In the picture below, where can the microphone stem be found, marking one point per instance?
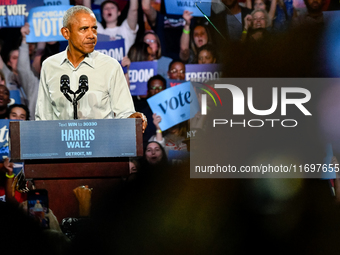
(75, 102)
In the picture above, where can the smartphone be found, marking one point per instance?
(37, 206)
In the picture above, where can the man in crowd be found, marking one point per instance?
(314, 13)
(108, 95)
(176, 70)
(4, 101)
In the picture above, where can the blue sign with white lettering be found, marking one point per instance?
(46, 22)
(14, 95)
(203, 72)
(78, 139)
(175, 105)
(56, 2)
(179, 6)
(4, 128)
(13, 13)
(139, 74)
(114, 49)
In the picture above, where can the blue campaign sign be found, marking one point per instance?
(114, 49)
(13, 13)
(203, 72)
(14, 95)
(139, 74)
(56, 2)
(46, 22)
(179, 6)
(175, 105)
(4, 129)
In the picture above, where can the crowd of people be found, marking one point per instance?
(174, 40)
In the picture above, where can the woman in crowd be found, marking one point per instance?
(280, 12)
(109, 25)
(174, 137)
(256, 25)
(206, 54)
(263, 5)
(197, 38)
(155, 155)
(153, 40)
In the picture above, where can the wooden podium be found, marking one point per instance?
(60, 174)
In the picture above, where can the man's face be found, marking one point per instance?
(314, 5)
(230, 3)
(177, 71)
(155, 87)
(17, 113)
(4, 96)
(81, 33)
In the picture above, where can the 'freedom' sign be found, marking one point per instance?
(46, 22)
(139, 74)
(114, 49)
(175, 105)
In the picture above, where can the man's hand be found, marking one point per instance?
(141, 116)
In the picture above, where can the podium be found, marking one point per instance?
(61, 155)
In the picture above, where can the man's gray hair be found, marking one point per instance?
(72, 11)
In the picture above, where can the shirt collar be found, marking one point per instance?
(89, 59)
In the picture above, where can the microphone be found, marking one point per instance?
(83, 86)
(65, 86)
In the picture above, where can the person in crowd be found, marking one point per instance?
(140, 51)
(206, 54)
(108, 95)
(176, 70)
(155, 155)
(229, 22)
(263, 5)
(13, 81)
(153, 40)
(174, 137)
(256, 25)
(162, 61)
(109, 24)
(4, 101)
(30, 82)
(168, 27)
(18, 112)
(2, 78)
(313, 16)
(6, 180)
(199, 36)
(284, 14)
(155, 84)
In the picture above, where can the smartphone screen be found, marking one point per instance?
(37, 206)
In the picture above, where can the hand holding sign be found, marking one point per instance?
(156, 120)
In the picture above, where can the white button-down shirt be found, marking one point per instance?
(108, 95)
